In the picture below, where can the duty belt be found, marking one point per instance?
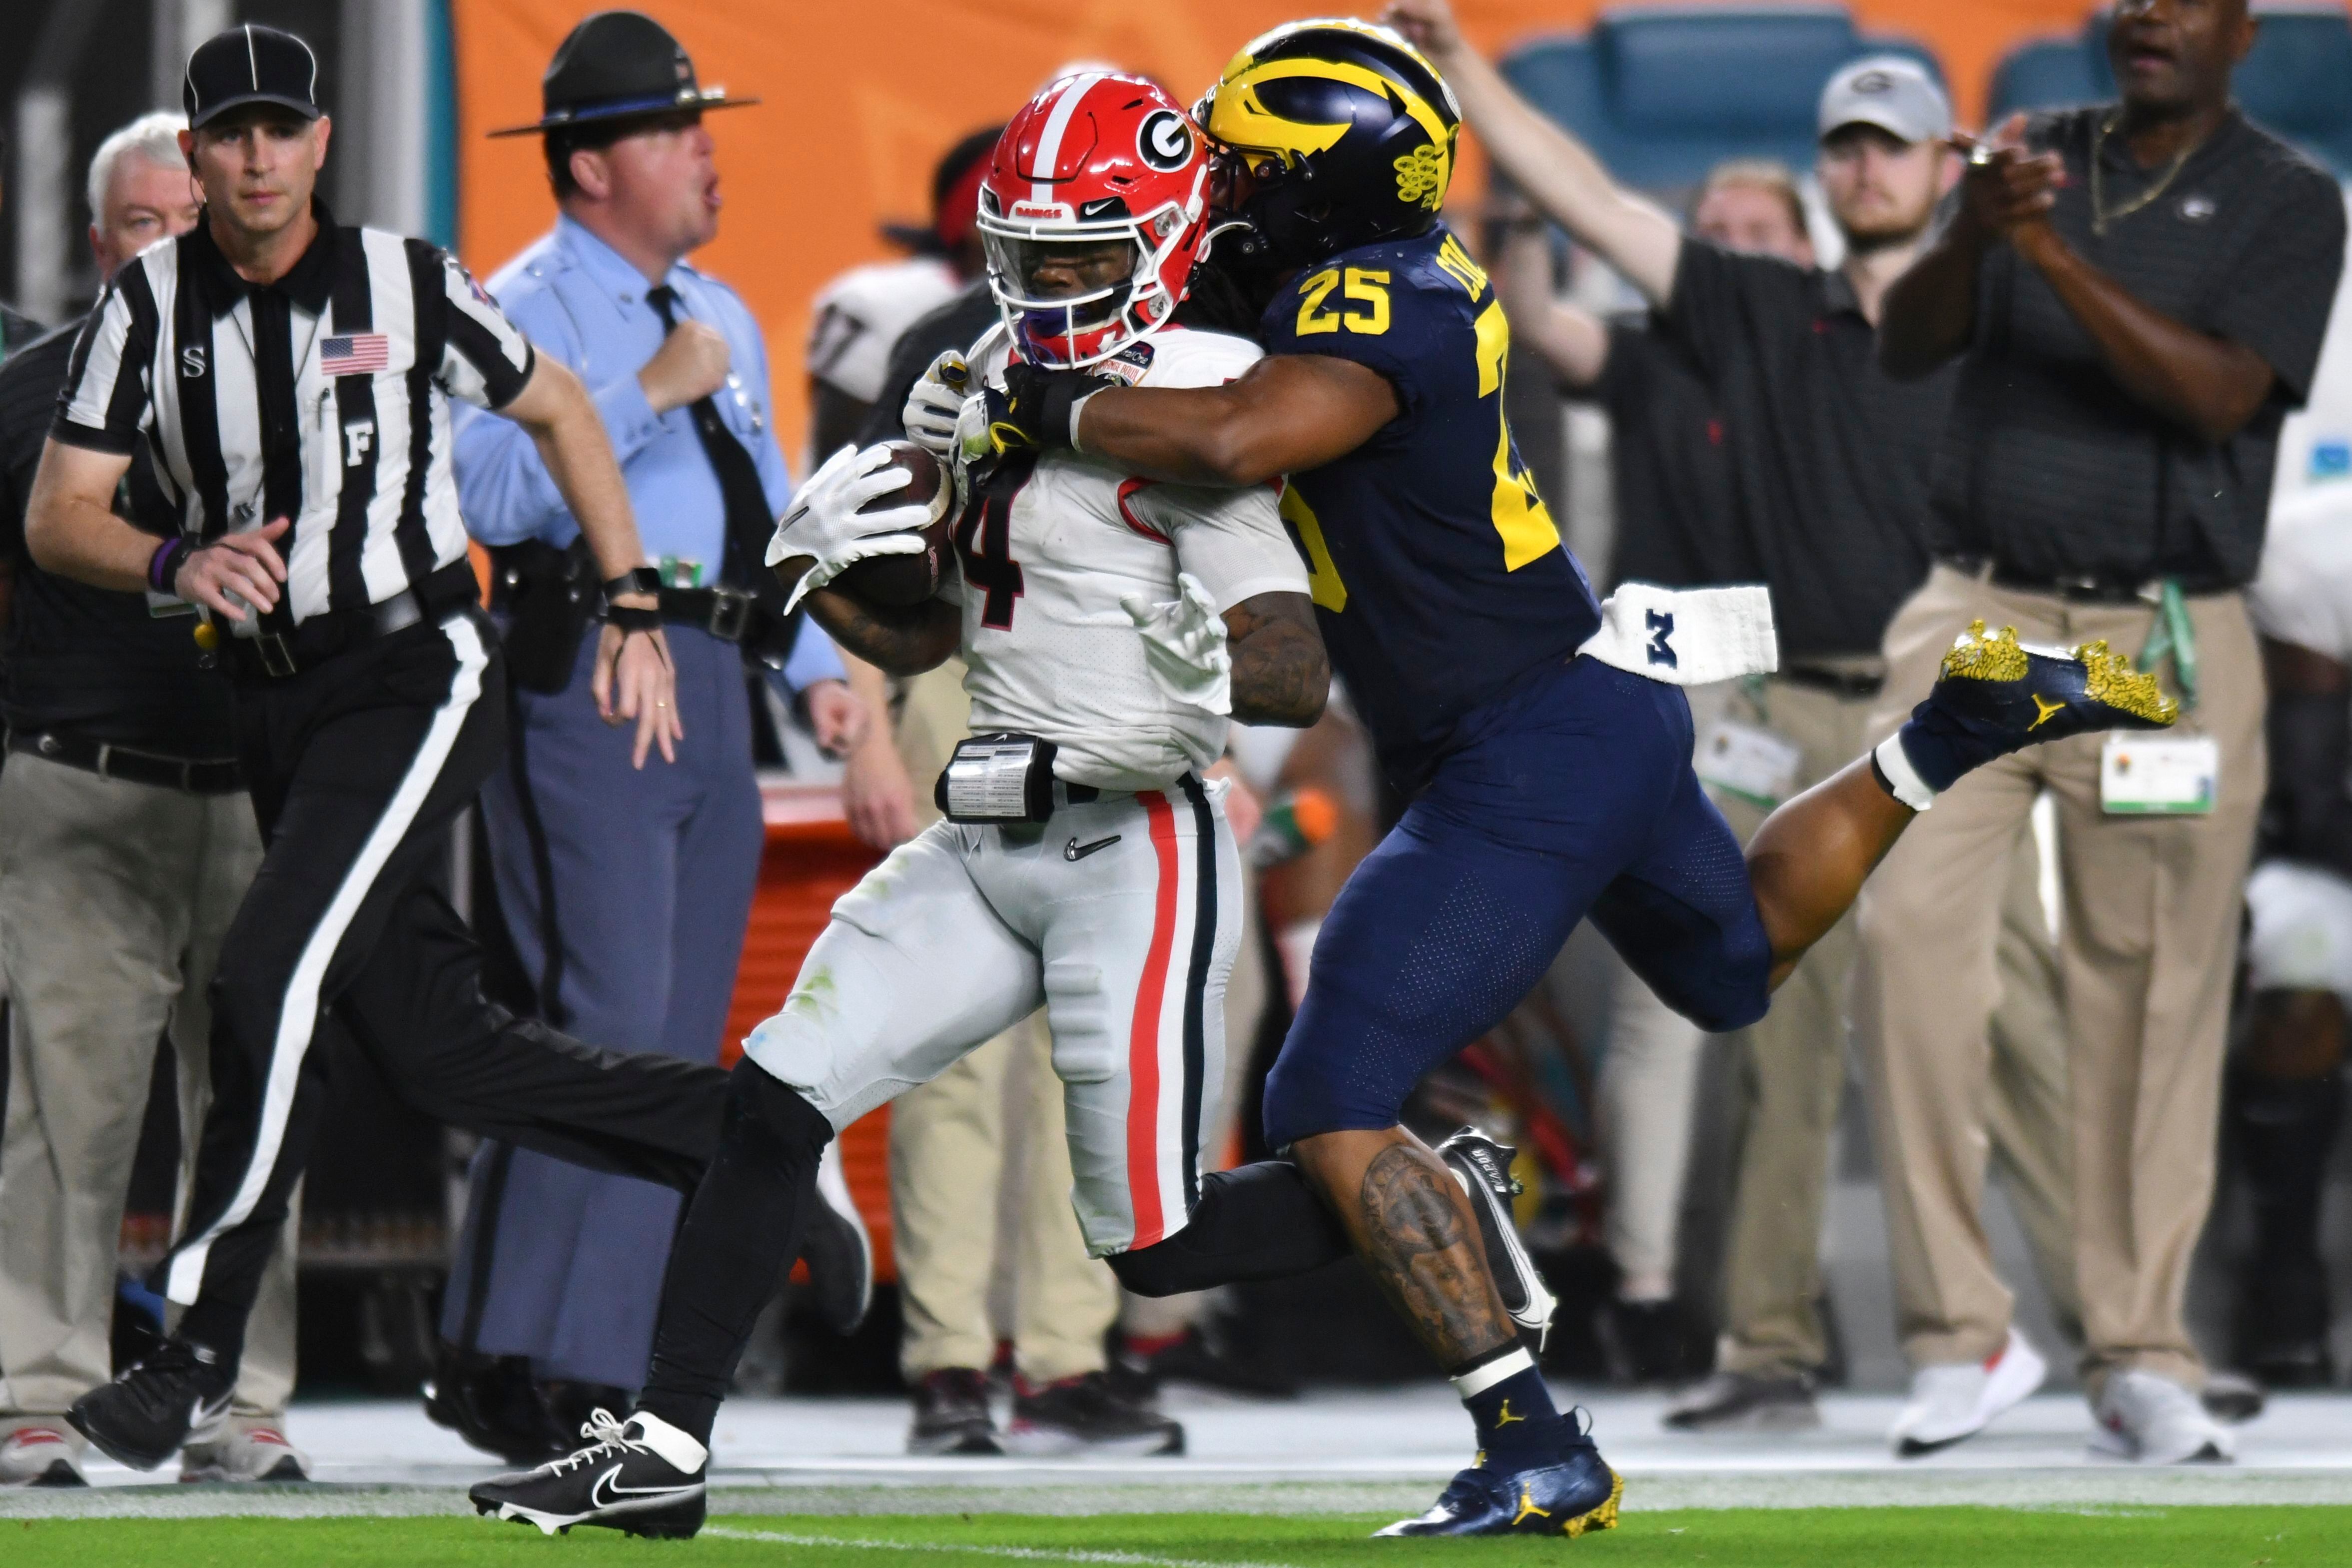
(724, 613)
(133, 766)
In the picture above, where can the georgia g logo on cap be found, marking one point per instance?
(1164, 140)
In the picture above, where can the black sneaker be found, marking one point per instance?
(179, 1394)
(951, 1414)
(1742, 1401)
(840, 1254)
(619, 1481)
(1484, 1168)
(1087, 1413)
(493, 1403)
(2018, 696)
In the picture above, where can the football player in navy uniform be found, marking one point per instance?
(1547, 752)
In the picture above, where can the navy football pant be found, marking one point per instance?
(1573, 797)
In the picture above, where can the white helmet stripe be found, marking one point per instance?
(1049, 145)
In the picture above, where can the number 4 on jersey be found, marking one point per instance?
(983, 542)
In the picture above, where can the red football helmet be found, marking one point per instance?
(1092, 214)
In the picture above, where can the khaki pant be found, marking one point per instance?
(114, 897)
(2149, 935)
(950, 1155)
(1791, 1077)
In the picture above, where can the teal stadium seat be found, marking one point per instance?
(2297, 82)
(1662, 94)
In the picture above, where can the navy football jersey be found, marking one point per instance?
(1437, 572)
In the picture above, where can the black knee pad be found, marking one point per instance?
(761, 1105)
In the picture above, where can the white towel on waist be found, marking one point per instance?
(1686, 637)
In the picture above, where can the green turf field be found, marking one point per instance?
(2254, 1537)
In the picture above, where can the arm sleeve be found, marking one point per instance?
(1233, 540)
(2284, 283)
(1717, 295)
(106, 400)
(485, 358)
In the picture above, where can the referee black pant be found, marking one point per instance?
(358, 767)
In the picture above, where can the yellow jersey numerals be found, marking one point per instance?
(1519, 514)
(1457, 264)
(1358, 285)
(1323, 585)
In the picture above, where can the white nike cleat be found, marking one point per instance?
(2147, 1416)
(1484, 1168)
(1958, 1400)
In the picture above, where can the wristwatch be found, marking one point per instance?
(635, 580)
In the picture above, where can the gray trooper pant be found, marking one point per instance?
(113, 901)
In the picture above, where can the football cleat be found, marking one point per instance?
(840, 1254)
(2021, 695)
(1567, 1494)
(1484, 1168)
(178, 1394)
(640, 1478)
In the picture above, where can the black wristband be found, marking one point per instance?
(635, 580)
(633, 620)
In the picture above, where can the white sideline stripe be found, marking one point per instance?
(1024, 1553)
(297, 1018)
(1049, 145)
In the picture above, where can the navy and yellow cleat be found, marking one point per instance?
(1573, 1493)
(2015, 695)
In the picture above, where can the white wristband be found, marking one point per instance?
(1895, 763)
(1076, 409)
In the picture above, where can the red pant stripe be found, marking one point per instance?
(1143, 1039)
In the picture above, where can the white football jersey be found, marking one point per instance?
(858, 317)
(1047, 647)
(2304, 592)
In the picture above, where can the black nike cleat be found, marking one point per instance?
(840, 1254)
(620, 1481)
(1568, 1494)
(2013, 695)
(1484, 1168)
(179, 1394)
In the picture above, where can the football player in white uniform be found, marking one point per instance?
(1112, 630)
(2286, 1091)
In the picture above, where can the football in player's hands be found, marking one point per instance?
(897, 581)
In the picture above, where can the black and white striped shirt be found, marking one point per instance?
(323, 398)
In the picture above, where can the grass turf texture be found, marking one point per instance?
(2254, 1537)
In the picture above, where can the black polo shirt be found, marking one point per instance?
(2049, 467)
(1832, 456)
(86, 660)
(1670, 467)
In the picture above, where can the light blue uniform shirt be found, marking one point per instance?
(577, 300)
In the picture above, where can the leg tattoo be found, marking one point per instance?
(1427, 1257)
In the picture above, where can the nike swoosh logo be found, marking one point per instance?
(606, 1494)
(1074, 850)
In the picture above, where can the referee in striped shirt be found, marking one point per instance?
(289, 380)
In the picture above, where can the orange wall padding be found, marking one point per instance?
(861, 99)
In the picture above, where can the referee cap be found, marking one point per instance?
(251, 64)
(618, 65)
(1891, 91)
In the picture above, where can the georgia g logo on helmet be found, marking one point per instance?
(1164, 140)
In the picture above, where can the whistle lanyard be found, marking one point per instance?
(2173, 637)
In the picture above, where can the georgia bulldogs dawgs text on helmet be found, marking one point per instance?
(1093, 159)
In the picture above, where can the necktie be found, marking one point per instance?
(747, 522)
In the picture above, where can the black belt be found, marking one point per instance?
(1836, 682)
(321, 637)
(725, 613)
(2084, 589)
(111, 762)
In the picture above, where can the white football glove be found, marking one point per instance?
(824, 523)
(935, 402)
(1184, 645)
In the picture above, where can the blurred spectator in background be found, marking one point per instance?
(1828, 463)
(861, 314)
(625, 891)
(2285, 1093)
(2136, 294)
(126, 843)
(17, 329)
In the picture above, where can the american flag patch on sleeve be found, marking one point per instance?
(354, 353)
